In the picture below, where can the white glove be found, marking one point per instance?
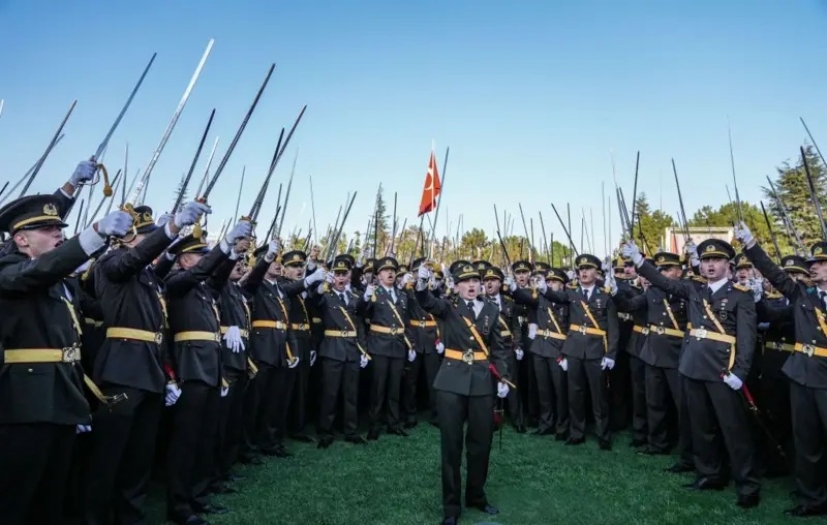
(163, 219)
(117, 223)
(84, 172)
(369, 290)
(757, 287)
(743, 235)
(411, 355)
(224, 391)
(509, 283)
(312, 357)
(607, 363)
(329, 277)
(564, 364)
(273, 248)
(733, 381)
(542, 286)
(294, 363)
(423, 273)
(520, 354)
(407, 279)
(440, 348)
(571, 274)
(363, 361)
(233, 339)
(173, 393)
(502, 390)
(692, 250)
(317, 276)
(80, 429)
(190, 213)
(629, 250)
(240, 230)
(610, 281)
(532, 330)
(83, 267)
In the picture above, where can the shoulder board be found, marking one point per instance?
(573, 286)
(773, 295)
(607, 290)
(740, 287)
(698, 279)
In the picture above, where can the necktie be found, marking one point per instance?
(586, 293)
(821, 295)
(343, 298)
(470, 305)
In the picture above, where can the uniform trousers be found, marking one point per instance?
(119, 464)
(35, 459)
(714, 405)
(191, 450)
(453, 411)
(552, 385)
(339, 377)
(583, 375)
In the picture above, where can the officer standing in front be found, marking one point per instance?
(464, 388)
(42, 404)
(714, 364)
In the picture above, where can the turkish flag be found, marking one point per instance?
(432, 188)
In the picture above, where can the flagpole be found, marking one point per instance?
(439, 203)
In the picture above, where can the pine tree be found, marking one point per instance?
(794, 192)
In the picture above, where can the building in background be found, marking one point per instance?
(674, 239)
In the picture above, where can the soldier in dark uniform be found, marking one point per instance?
(195, 326)
(342, 352)
(272, 347)
(386, 307)
(425, 338)
(665, 329)
(465, 391)
(627, 399)
(293, 266)
(775, 312)
(41, 380)
(714, 364)
(129, 364)
(527, 322)
(806, 368)
(590, 348)
(235, 335)
(546, 351)
(509, 325)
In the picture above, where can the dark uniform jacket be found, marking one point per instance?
(130, 297)
(423, 327)
(779, 337)
(391, 318)
(457, 375)
(552, 322)
(344, 334)
(662, 320)
(585, 340)
(706, 356)
(37, 313)
(804, 366)
(193, 308)
(300, 318)
(272, 337)
(233, 310)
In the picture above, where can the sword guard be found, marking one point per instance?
(114, 400)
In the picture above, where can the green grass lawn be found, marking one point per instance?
(533, 480)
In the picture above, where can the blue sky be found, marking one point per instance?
(530, 97)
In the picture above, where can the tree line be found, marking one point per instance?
(766, 219)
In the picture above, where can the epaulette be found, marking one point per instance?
(773, 295)
(698, 279)
(740, 287)
(572, 285)
(607, 290)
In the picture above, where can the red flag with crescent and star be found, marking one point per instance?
(433, 187)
